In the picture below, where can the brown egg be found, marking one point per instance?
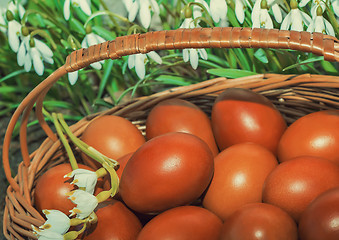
(177, 115)
(241, 115)
(239, 175)
(293, 184)
(262, 221)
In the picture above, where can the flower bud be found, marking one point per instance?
(294, 4)
(319, 11)
(9, 15)
(188, 12)
(24, 31)
(263, 4)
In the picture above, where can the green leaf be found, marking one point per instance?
(108, 35)
(77, 26)
(108, 69)
(13, 74)
(329, 67)
(261, 55)
(230, 73)
(307, 61)
(172, 80)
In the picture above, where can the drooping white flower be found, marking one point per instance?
(138, 61)
(83, 178)
(192, 54)
(260, 16)
(55, 227)
(197, 10)
(89, 40)
(85, 202)
(143, 9)
(274, 5)
(240, 10)
(16, 8)
(218, 9)
(295, 19)
(34, 52)
(320, 24)
(85, 6)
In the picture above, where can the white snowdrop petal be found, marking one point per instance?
(92, 39)
(85, 202)
(21, 54)
(239, 11)
(306, 19)
(266, 19)
(131, 61)
(329, 28)
(155, 6)
(277, 13)
(85, 7)
(84, 178)
(140, 65)
(155, 57)
(37, 61)
(14, 30)
(194, 58)
(303, 3)
(84, 43)
(43, 48)
(49, 235)
(58, 221)
(21, 10)
(133, 11)
(128, 4)
(99, 39)
(67, 9)
(28, 62)
(73, 77)
(214, 10)
(96, 65)
(286, 22)
(335, 6)
(185, 55)
(203, 54)
(48, 59)
(145, 15)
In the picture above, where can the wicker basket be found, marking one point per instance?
(293, 95)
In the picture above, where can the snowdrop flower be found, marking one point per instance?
(89, 40)
(260, 16)
(192, 54)
(34, 51)
(14, 32)
(138, 62)
(197, 10)
(295, 19)
(143, 7)
(315, 4)
(320, 24)
(269, 4)
(55, 227)
(240, 10)
(86, 203)
(85, 6)
(218, 9)
(16, 8)
(83, 179)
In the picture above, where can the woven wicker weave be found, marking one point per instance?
(294, 96)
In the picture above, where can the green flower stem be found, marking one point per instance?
(64, 141)
(333, 20)
(88, 150)
(74, 234)
(114, 179)
(45, 35)
(210, 20)
(101, 172)
(134, 29)
(105, 12)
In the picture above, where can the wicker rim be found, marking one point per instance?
(18, 192)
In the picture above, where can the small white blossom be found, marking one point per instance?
(16, 8)
(197, 10)
(28, 55)
(55, 227)
(295, 20)
(139, 60)
(89, 40)
(142, 8)
(240, 10)
(85, 6)
(218, 9)
(86, 203)
(191, 54)
(260, 17)
(83, 178)
(320, 24)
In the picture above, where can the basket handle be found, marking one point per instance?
(217, 37)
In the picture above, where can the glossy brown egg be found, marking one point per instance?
(259, 221)
(239, 175)
(177, 115)
(241, 115)
(293, 184)
(183, 223)
(320, 220)
(113, 136)
(115, 222)
(51, 189)
(167, 171)
(316, 134)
